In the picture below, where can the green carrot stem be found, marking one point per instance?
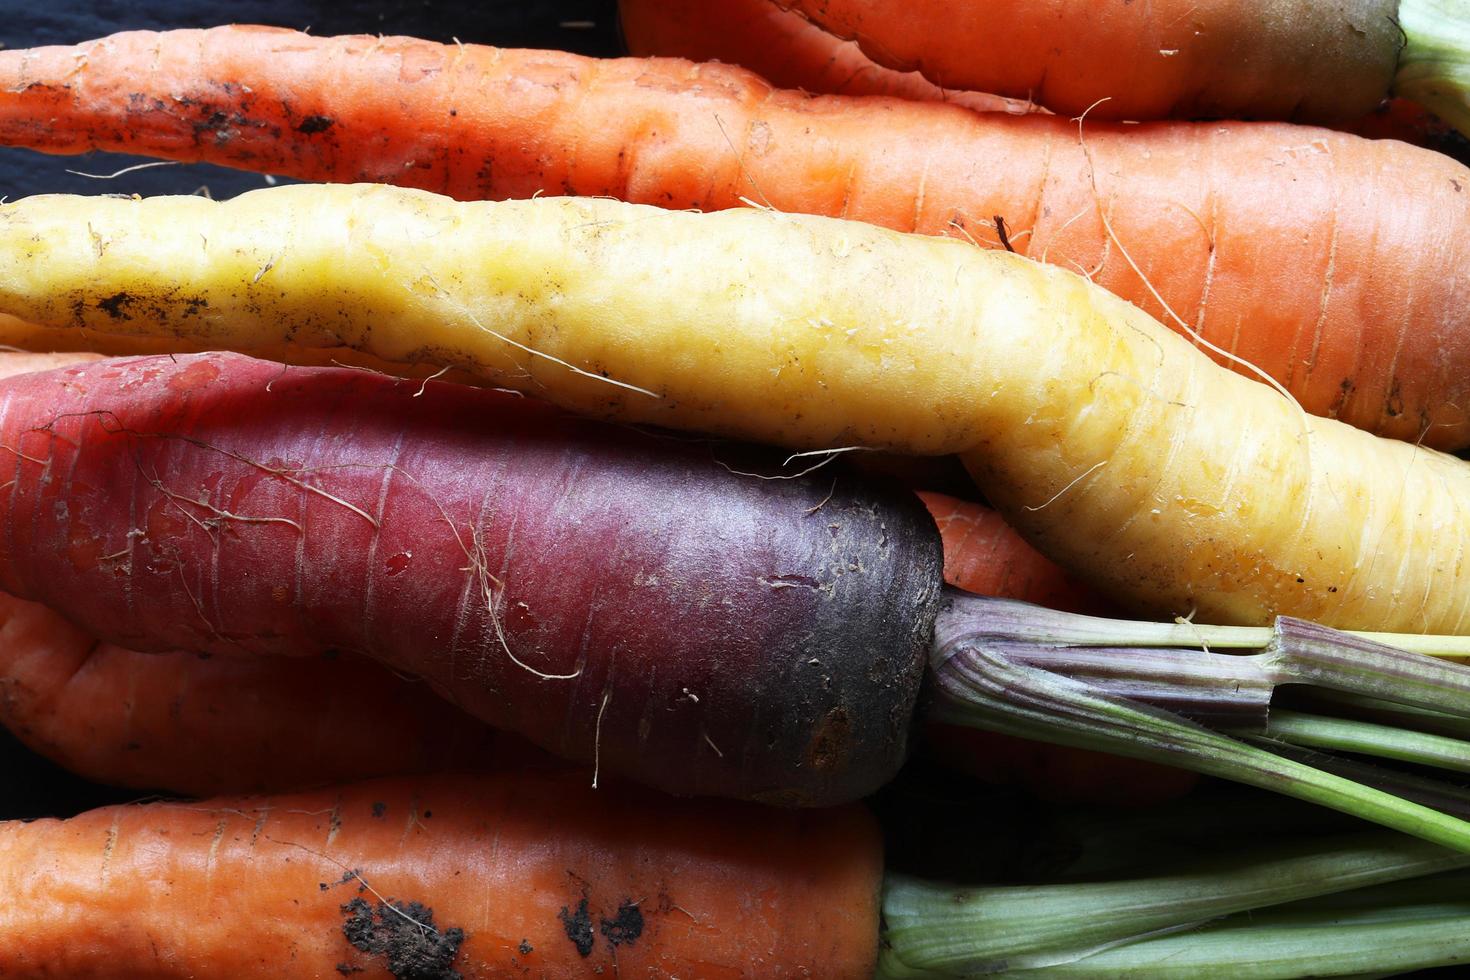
(1361, 706)
(1220, 690)
(980, 689)
(939, 930)
(1434, 65)
(1381, 931)
(1367, 738)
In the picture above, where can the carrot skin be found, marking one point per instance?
(1288, 59)
(523, 875)
(985, 555)
(783, 48)
(1346, 286)
(663, 613)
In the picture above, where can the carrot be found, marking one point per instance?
(782, 48)
(185, 724)
(734, 636)
(1112, 445)
(441, 877)
(619, 598)
(791, 52)
(456, 878)
(1346, 287)
(984, 555)
(1303, 60)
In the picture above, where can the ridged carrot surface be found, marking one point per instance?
(1332, 262)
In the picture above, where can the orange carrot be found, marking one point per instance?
(1332, 262)
(783, 48)
(1290, 59)
(790, 51)
(983, 554)
(187, 724)
(442, 877)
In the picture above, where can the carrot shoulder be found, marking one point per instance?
(1333, 263)
(441, 877)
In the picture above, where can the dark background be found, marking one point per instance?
(31, 786)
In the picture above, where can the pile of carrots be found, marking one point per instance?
(539, 509)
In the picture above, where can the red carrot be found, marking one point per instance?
(639, 604)
(984, 555)
(1346, 286)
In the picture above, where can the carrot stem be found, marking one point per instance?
(1378, 931)
(1368, 738)
(982, 684)
(1434, 65)
(933, 929)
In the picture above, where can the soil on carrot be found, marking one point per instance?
(626, 927)
(404, 934)
(578, 926)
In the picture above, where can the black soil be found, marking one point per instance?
(404, 935)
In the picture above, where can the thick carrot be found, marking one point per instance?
(637, 603)
(275, 509)
(462, 878)
(186, 724)
(1115, 447)
(1331, 262)
(1285, 59)
(441, 877)
(781, 47)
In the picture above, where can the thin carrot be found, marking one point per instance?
(1332, 262)
(186, 724)
(782, 48)
(1297, 60)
